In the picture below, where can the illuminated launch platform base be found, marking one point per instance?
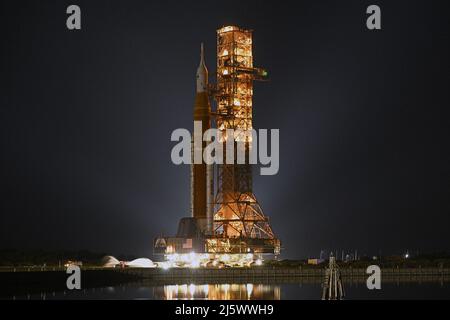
(191, 248)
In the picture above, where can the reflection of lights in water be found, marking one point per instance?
(235, 287)
(192, 290)
(220, 292)
(277, 293)
(249, 290)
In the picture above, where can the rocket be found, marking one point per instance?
(202, 181)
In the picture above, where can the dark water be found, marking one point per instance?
(291, 291)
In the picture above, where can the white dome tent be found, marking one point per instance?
(141, 263)
(110, 262)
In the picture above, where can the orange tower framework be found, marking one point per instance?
(238, 214)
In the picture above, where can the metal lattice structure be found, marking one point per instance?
(333, 287)
(237, 211)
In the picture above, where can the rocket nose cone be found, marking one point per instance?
(202, 72)
(202, 64)
(202, 53)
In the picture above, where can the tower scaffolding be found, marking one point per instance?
(238, 214)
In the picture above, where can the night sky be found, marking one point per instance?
(86, 118)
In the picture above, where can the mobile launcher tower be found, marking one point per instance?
(230, 228)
